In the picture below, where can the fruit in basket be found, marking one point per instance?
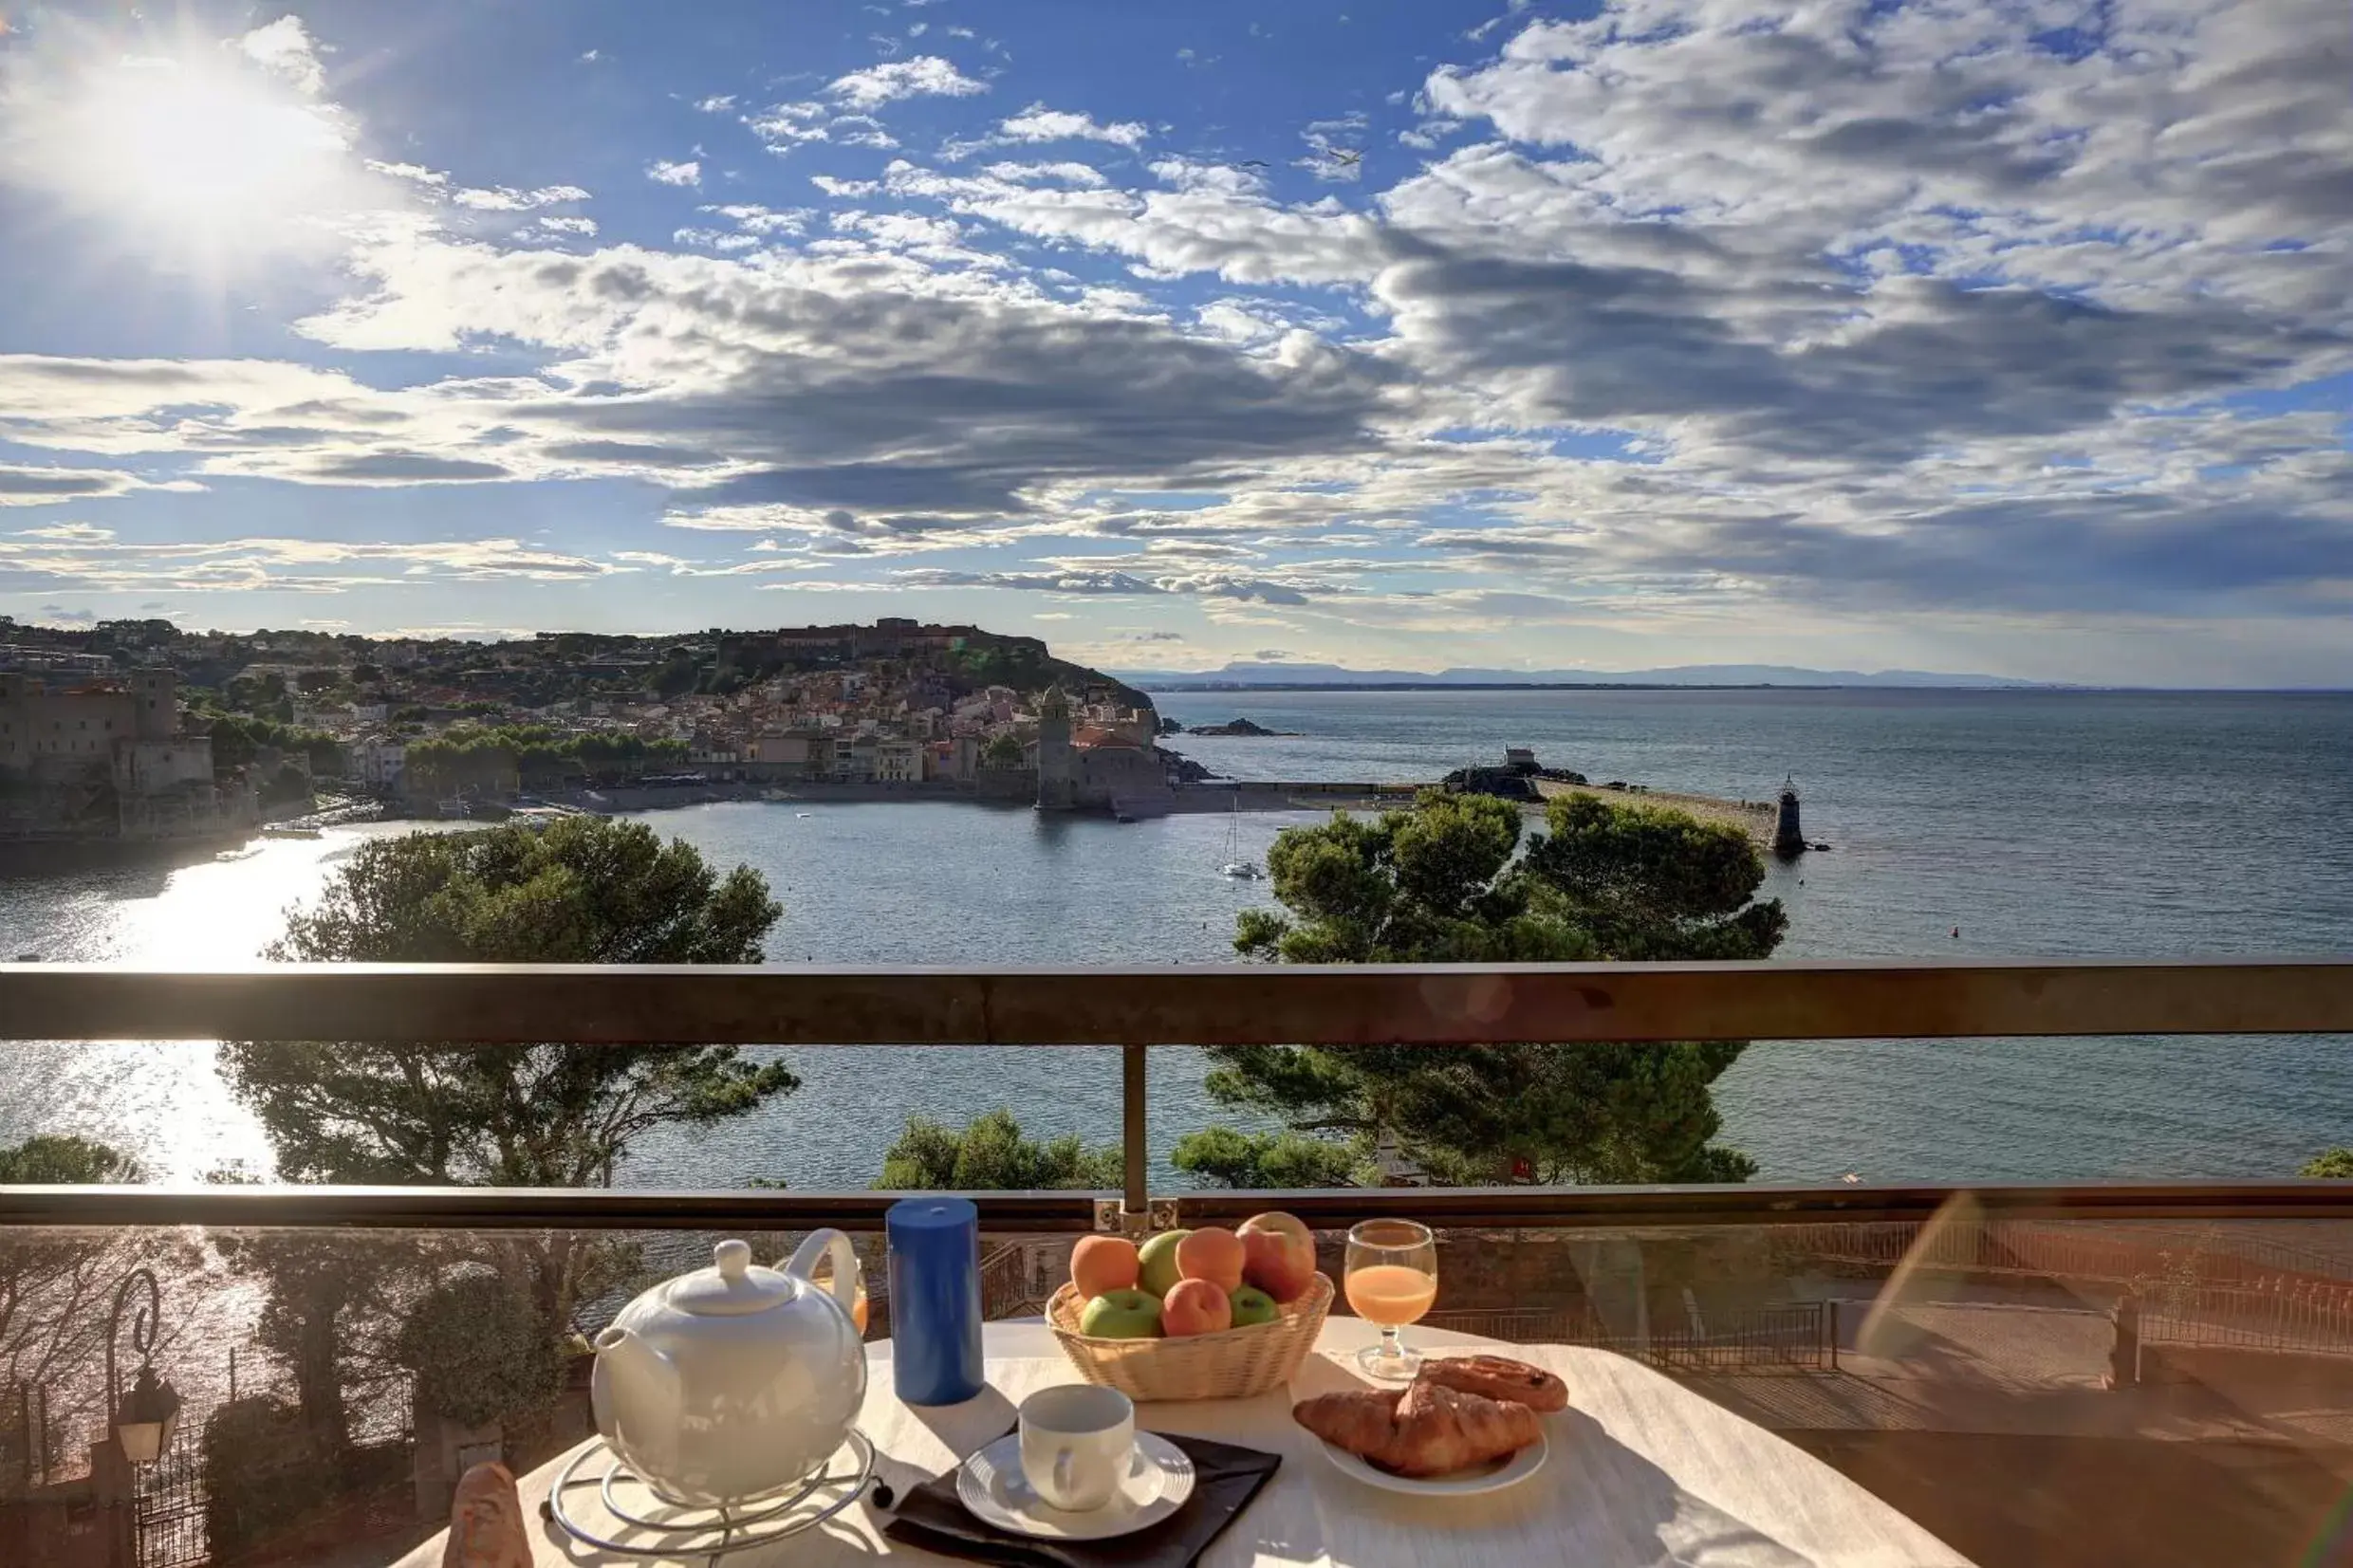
(1195, 1306)
(1211, 1253)
(1278, 1263)
(1157, 1261)
(1253, 1306)
(1100, 1264)
(1121, 1315)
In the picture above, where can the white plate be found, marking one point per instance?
(1491, 1477)
(1159, 1478)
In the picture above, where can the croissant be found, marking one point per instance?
(1499, 1378)
(1426, 1430)
(1364, 1422)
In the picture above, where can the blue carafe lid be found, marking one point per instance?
(915, 1216)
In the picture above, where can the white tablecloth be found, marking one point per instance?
(1641, 1473)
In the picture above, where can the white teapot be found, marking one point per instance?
(736, 1380)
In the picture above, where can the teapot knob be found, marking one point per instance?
(733, 1259)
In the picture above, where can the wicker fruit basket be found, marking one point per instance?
(1234, 1364)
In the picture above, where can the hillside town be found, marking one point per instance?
(140, 730)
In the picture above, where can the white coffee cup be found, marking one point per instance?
(1077, 1442)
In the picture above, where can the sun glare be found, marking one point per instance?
(191, 147)
(199, 155)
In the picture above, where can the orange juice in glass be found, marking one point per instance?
(823, 1275)
(1391, 1280)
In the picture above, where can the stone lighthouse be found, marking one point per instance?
(1789, 837)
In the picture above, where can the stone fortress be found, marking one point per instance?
(1098, 767)
(88, 752)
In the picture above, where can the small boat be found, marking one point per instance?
(1237, 866)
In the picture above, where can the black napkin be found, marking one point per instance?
(1225, 1477)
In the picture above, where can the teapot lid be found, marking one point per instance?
(734, 1288)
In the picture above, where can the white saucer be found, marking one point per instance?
(1492, 1476)
(1159, 1478)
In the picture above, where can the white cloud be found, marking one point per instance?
(506, 198)
(1715, 314)
(97, 562)
(1048, 173)
(920, 76)
(286, 47)
(415, 173)
(785, 126)
(28, 485)
(1040, 123)
(665, 173)
(754, 219)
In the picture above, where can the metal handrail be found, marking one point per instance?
(1209, 1004)
(1613, 1209)
(1431, 1004)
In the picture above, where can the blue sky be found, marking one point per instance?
(2004, 337)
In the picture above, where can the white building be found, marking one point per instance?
(378, 764)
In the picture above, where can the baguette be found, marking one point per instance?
(486, 1521)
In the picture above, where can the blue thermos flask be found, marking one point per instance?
(934, 1275)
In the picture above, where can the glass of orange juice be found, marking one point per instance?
(823, 1275)
(1392, 1278)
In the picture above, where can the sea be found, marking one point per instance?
(1959, 824)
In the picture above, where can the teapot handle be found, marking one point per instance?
(837, 1246)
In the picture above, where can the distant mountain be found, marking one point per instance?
(1243, 673)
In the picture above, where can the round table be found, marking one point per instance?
(1642, 1471)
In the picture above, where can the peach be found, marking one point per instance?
(1276, 1263)
(1100, 1264)
(1211, 1253)
(1195, 1306)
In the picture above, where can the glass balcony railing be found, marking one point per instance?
(2158, 1373)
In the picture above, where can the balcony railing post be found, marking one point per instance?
(1135, 1205)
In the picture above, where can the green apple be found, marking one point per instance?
(1121, 1315)
(1156, 1260)
(1253, 1306)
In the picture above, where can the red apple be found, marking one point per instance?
(1277, 1260)
(1290, 1224)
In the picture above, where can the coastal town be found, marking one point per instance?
(140, 730)
(133, 733)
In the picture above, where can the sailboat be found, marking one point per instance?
(1238, 866)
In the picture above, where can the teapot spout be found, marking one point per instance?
(635, 1391)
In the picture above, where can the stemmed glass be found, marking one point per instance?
(1391, 1280)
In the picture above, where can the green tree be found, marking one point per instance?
(1003, 750)
(991, 1154)
(2334, 1163)
(586, 890)
(1224, 1158)
(1450, 882)
(59, 1159)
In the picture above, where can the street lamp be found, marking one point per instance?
(144, 1419)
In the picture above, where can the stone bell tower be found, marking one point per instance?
(156, 695)
(1058, 788)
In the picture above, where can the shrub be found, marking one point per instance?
(261, 1474)
(479, 1350)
